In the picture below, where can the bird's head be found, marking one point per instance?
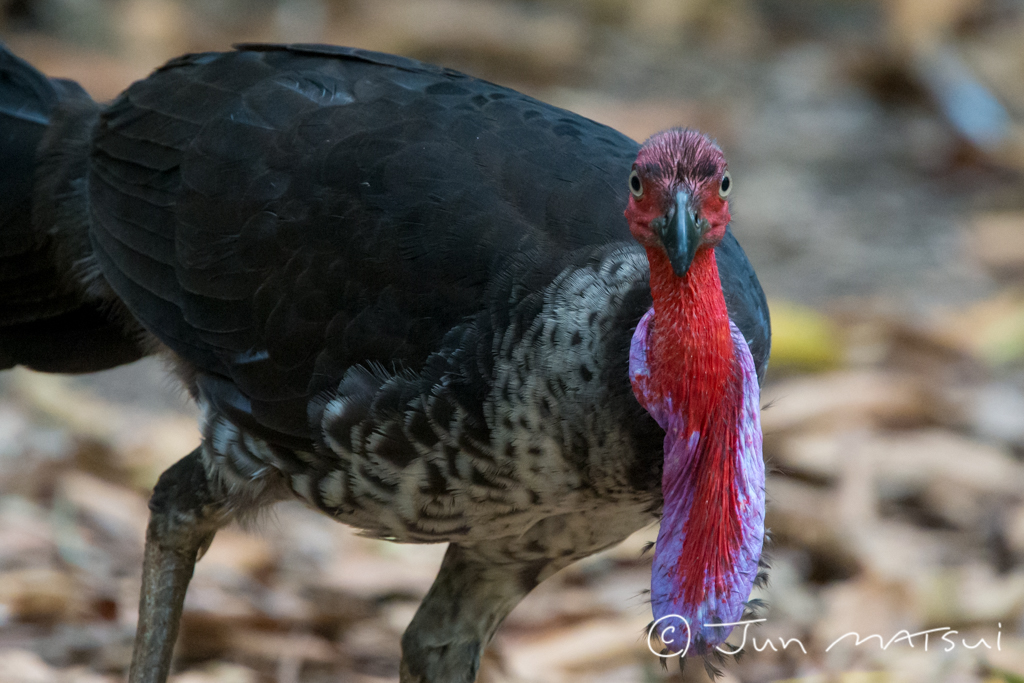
(679, 195)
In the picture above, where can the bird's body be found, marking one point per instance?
(402, 294)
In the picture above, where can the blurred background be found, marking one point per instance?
(877, 148)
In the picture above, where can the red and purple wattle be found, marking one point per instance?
(709, 590)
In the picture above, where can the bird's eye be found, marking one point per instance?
(726, 187)
(635, 186)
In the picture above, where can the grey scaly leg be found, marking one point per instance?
(470, 597)
(184, 516)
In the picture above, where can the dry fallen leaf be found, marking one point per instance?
(40, 595)
(803, 338)
(843, 399)
(997, 240)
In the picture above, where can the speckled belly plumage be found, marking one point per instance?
(405, 457)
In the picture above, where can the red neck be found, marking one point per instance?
(691, 354)
(692, 361)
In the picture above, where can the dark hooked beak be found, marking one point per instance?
(680, 232)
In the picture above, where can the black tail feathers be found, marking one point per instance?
(46, 321)
(26, 100)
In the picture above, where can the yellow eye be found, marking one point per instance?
(726, 187)
(635, 186)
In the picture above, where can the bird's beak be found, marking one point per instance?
(681, 233)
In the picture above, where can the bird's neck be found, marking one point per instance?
(691, 350)
(693, 386)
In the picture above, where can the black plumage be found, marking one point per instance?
(309, 208)
(44, 322)
(401, 293)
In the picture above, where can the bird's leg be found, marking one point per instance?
(472, 594)
(184, 515)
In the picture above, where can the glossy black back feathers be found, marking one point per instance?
(277, 214)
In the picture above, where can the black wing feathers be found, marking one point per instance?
(279, 214)
(44, 324)
(29, 288)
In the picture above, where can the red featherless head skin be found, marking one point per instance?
(679, 159)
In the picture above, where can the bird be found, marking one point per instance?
(429, 306)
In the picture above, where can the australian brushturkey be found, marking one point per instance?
(412, 299)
